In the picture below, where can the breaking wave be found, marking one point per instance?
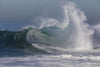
(73, 33)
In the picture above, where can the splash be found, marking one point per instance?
(80, 33)
(72, 33)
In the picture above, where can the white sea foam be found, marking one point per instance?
(51, 61)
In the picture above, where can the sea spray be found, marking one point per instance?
(81, 35)
(72, 33)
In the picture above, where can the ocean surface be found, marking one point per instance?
(70, 41)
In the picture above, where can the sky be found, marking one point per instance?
(24, 11)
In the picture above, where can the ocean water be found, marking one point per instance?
(71, 41)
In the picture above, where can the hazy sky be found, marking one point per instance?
(22, 11)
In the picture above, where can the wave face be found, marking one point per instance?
(11, 37)
(73, 33)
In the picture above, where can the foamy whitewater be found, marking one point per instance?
(68, 43)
